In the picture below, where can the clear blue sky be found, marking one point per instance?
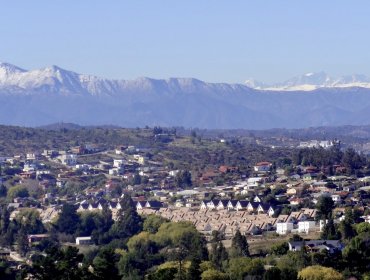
(216, 41)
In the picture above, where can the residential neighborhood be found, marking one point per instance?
(271, 198)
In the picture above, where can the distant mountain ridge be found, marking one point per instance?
(312, 81)
(53, 95)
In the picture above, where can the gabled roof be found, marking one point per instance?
(154, 204)
(243, 203)
(223, 202)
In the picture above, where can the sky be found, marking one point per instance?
(212, 40)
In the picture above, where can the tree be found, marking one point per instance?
(324, 207)
(352, 160)
(183, 179)
(152, 223)
(346, 226)
(317, 272)
(218, 253)
(3, 190)
(330, 232)
(280, 248)
(357, 253)
(240, 267)
(17, 191)
(30, 220)
(363, 228)
(272, 274)
(68, 220)
(213, 274)
(22, 242)
(104, 265)
(136, 180)
(194, 272)
(129, 222)
(239, 245)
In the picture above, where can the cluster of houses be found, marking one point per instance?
(228, 222)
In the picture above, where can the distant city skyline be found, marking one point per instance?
(215, 41)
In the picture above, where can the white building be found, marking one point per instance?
(306, 226)
(317, 144)
(118, 163)
(68, 159)
(284, 228)
(336, 198)
(83, 240)
(263, 166)
(29, 167)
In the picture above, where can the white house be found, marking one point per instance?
(306, 226)
(284, 228)
(262, 166)
(68, 159)
(29, 167)
(83, 240)
(254, 181)
(118, 163)
(336, 198)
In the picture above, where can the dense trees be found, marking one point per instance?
(317, 272)
(128, 223)
(183, 179)
(324, 207)
(68, 220)
(239, 245)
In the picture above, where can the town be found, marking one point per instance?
(129, 188)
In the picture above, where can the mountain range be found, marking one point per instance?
(311, 81)
(52, 94)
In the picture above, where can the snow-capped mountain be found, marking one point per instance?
(312, 81)
(51, 95)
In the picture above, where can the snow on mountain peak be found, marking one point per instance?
(312, 81)
(7, 69)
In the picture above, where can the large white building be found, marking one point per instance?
(306, 226)
(317, 144)
(68, 159)
(284, 228)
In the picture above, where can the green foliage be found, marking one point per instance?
(317, 156)
(183, 179)
(17, 191)
(129, 222)
(363, 228)
(194, 271)
(324, 207)
(22, 242)
(280, 249)
(318, 272)
(104, 265)
(293, 261)
(272, 274)
(163, 274)
(352, 160)
(238, 268)
(59, 265)
(357, 253)
(3, 191)
(346, 226)
(213, 274)
(30, 220)
(68, 220)
(330, 231)
(239, 245)
(152, 223)
(218, 254)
